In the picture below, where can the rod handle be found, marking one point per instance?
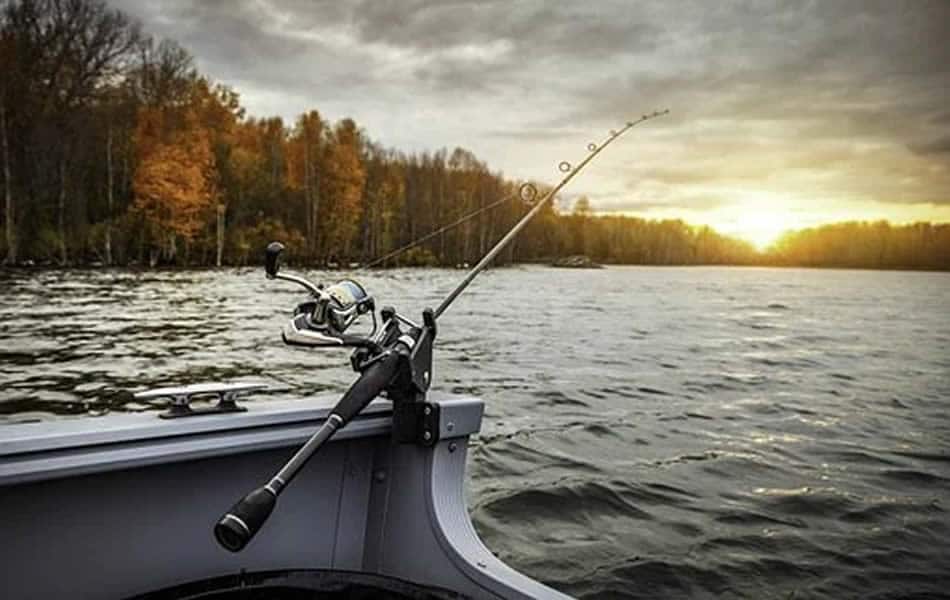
(239, 525)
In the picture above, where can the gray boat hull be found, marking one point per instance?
(123, 506)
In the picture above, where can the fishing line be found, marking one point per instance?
(432, 234)
(563, 166)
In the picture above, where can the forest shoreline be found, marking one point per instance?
(143, 160)
(48, 267)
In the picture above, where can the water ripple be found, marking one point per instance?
(649, 432)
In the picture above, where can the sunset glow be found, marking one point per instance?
(764, 228)
(761, 228)
(761, 217)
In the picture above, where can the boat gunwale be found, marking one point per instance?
(27, 438)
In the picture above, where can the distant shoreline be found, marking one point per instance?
(185, 268)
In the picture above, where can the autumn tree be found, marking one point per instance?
(175, 180)
(384, 201)
(6, 66)
(343, 181)
(59, 56)
(305, 158)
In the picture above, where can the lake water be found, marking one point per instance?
(649, 432)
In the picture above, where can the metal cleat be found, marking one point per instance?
(181, 397)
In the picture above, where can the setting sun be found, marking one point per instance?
(762, 228)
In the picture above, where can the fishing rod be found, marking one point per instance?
(394, 359)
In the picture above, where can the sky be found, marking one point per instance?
(783, 114)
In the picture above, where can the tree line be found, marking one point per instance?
(867, 245)
(116, 150)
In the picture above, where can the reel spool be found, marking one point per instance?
(323, 320)
(338, 306)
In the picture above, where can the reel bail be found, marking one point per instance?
(342, 303)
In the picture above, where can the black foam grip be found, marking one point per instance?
(374, 380)
(236, 528)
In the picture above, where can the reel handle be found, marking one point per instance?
(272, 269)
(272, 259)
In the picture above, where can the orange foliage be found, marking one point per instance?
(303, 150)
(345, 178)
(174, 184)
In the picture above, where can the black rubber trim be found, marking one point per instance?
(310, 584)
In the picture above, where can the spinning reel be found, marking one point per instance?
(322, 320)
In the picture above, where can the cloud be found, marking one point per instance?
(938, 146)
(688, 203)
(843, 100)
